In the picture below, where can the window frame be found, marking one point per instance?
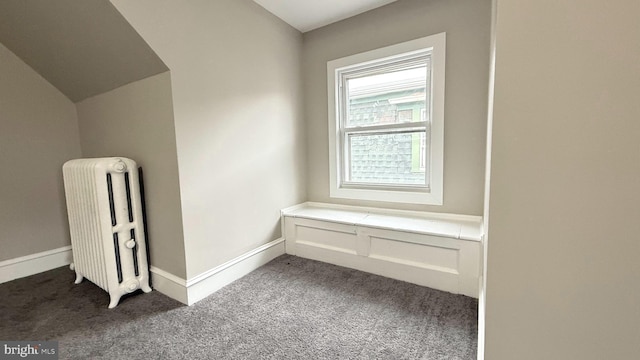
(431, 194)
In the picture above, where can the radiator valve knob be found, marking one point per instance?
(119, 166)
(132, 286)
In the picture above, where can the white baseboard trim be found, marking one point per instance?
(199, 287)
(35, 263)
(211, 281)
(185, 291)
(169, 284)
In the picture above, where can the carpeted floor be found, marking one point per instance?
(291, 308)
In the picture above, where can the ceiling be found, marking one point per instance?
(83, 48)
(306, 15)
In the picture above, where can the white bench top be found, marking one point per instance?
(462, 227)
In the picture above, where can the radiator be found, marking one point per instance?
(106, 225)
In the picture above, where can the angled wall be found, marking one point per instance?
(235, 76)
(136, 121)
(38, 133)
(83, 48)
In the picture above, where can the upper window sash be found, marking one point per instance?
(406, 61)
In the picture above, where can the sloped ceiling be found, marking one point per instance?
(82, 47)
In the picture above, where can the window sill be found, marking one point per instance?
(394, 196)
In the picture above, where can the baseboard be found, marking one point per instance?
(211, 281)
(169, 284)
(199, 287)
(186, 291)
(392, 267)
(33, 264)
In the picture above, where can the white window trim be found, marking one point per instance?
(437, 44)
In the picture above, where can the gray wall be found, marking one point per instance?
(235, 72)
(564, 210)
(38, 133)
(136, 121)
(467, 24)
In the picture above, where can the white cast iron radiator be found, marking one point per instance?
(106, 224)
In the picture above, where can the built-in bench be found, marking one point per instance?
(441, 251)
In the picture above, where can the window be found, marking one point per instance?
(386, 123)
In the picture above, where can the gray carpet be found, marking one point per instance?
(291, 308)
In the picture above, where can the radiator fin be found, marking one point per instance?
(84, 227)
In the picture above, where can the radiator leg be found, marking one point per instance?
(79, 277)
(115, 298)
(145, 286)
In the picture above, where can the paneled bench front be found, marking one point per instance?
(441, 251)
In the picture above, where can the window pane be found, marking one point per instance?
(392, 159)
(387, 98)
